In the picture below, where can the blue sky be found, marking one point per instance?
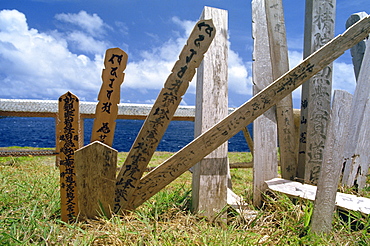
(48, 47)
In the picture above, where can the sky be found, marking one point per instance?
(49, 47)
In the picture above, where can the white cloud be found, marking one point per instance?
(92, 24)
(37, 65)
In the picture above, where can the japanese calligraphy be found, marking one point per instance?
(162, 112)
(68, 128)
(109, 96)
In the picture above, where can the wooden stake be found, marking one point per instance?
(249, 139)
(245, 114)
(358, 50)
(68, 127)
(284, 108)
(210, 176)
(264, 127)
(316, 93)
(161, 114)
(106, 111)
(96, 166)
(357, 119)
(331, 169)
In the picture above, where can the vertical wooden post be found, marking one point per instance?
(96, 166)
(106, 110)
(284, 108)
(358, 50)
(69, 141)
(264, 127)
(357, 126)
(210, 175)
(332, 163)
(246, 113)
(162, 112)
(316, 93)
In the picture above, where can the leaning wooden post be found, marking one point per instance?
(284, 108)
(316, 93)
(357, 150)
(96, 166)
(331, 168)
(106, 110)
(69, 141)
(209, 187)
(358, 50)
(264, 127)
(162, 112)
(245, 114)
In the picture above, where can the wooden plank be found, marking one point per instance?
(96, 166)
(359, 168)
(163, 109)
(249, 139)
(331, 168)
(245, 114)
(360, 99)
(357, 51)
(264, 127)
(284, 108)
(306, 191)
(69, 135)
(210, 175)
(316, 93)
(109, 96)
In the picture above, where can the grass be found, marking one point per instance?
(30, 214)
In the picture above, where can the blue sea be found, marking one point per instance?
(40, 132)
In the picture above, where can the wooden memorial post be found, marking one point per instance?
(68, 128)
(357, 150)
(162, 112)
(106, 111)
(264, 127)
(245, 114)
(284, 108)
(316, 93)
(332, 163)
(210, 176)
(96, 166)
(358, 50)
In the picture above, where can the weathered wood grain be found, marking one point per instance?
(69, 140)
(316, 93)
(210, 176)
(265, 126)
(109, 96)
(245, 114)
(357, 51)
(306, 191)
(331, 168)
(284, 108)
(162, 112)
(357, 117)
(96, 166)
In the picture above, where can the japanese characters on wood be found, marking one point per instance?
(109, 96)
(163, 109)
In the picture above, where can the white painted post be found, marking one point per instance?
(264, 127)
(332, 163)
(210, 176)
(316, 93)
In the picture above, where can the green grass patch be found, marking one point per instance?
(30, 214)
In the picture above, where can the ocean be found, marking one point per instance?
(40, 132)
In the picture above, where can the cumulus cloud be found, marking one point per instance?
(37, 65)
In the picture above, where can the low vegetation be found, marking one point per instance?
(30, 214)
